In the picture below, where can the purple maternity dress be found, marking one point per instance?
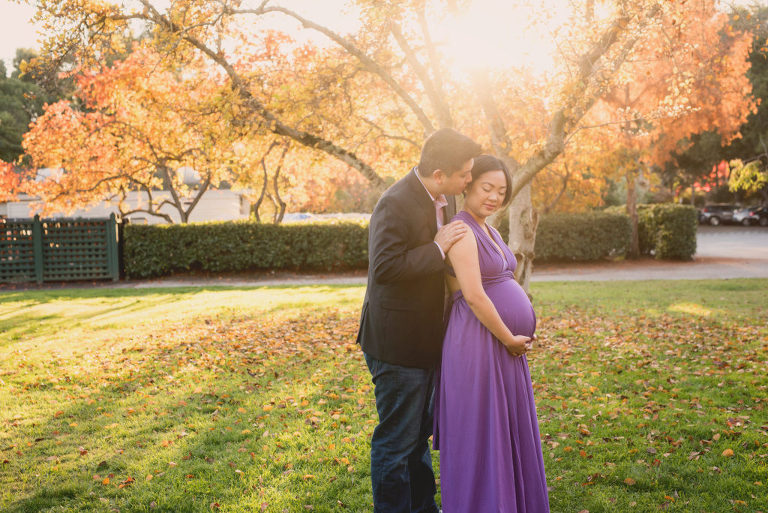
(485, 417)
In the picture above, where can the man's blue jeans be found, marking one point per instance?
(401, 464)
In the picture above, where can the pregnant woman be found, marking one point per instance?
(485, 416)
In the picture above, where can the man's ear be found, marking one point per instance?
(439, 176)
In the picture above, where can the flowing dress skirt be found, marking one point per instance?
(485, 416)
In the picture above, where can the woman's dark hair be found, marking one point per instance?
(448, 150)
(486, 163)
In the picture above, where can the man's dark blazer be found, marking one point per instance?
(402, 318)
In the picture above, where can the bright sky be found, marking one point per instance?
(15, 30)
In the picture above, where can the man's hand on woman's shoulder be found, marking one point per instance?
(449, 234)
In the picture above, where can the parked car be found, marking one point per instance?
(752, 215)
(717, 214)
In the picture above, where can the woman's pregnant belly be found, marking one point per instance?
(514, 307)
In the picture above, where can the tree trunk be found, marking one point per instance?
(634, 242)
(523, 220)
(279, 203)
(257, 205)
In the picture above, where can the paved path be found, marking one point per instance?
(702, 268)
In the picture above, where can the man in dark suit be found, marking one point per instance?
(401, 325)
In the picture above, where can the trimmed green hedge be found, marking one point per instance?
(666, 231)
(581, 237)
(159, 250)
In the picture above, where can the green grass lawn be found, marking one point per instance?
(651, 396)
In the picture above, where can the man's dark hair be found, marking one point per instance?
(448, 150)
(485, 163)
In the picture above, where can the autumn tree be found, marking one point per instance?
(754, 141)
(580, 178)
(751, 177)
(748, 154)
(393, 69)
(9, 182)
(688, 78)
(140, 124)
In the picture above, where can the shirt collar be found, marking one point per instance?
(441, 200)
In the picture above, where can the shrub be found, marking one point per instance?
(158, 250)
(665, 230)
(580, 237)
(675, 231)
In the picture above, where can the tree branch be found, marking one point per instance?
(274, 124)
(443, 111)
(554, 202)
(499, 136)
(278, 218)
(435, 96)
(572, 112)
(168, 218)
(389, 136)
(353, 50)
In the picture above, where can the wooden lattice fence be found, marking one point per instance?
(58, 249)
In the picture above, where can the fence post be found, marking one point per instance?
(37, 244)
(112, 259)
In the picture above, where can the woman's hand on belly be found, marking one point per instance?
(518, 345)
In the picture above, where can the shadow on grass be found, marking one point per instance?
(39, 313)
(46, 296)
(216, 444)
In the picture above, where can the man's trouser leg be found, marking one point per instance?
(401, 464)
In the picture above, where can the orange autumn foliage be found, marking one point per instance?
(9, 182)
(691, 76)
(140, 123)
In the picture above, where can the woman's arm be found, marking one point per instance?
(463, 257)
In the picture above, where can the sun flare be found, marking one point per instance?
(503, 35)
